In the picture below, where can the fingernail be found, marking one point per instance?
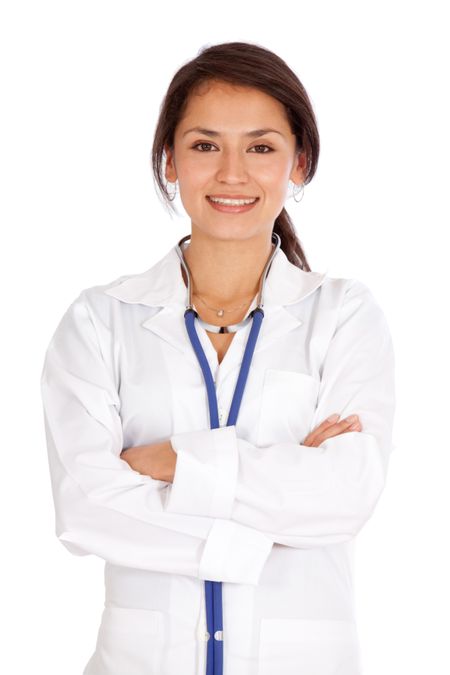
(351, 418)
(333, 418)
(354, 426)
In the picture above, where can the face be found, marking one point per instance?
(224, 159)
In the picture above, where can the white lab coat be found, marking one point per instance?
(250, 506)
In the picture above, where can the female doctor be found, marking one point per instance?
(227, 530)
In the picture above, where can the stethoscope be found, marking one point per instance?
(213, 589)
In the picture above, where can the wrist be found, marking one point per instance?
(157, 460)
(166, 467)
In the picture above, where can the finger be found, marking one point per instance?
(329, 422)
(314, 433)
(356, 426)
(329, 429)
(330, 433)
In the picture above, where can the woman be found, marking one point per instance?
(264, 510)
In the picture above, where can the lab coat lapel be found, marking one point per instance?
(163, 286)
(169, 325)
(286, 284)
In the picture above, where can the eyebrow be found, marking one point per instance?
(252, 134)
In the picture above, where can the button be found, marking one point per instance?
(218, 635)
(203, 635)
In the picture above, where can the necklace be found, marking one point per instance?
(188, 281)
(220, 312)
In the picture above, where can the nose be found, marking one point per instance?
(232, 167)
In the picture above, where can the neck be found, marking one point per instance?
(226, 272)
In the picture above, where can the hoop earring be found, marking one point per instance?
(173, 194)
(298, 190)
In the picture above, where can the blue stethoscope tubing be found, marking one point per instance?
(213, 589)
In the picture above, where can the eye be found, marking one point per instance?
(263, 146)
(203, 143)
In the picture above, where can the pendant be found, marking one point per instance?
(220, 312)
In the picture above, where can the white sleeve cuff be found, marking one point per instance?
(234, 553)
(206, 472)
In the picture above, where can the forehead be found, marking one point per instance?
(225, 106)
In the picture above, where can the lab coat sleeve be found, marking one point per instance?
(304, 496)
(103, 506)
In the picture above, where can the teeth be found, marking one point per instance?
(232, 202)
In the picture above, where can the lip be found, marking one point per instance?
(234, 196)
(228, 208)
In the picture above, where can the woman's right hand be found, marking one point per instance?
(332, 428)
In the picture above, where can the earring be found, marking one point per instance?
(298, 190)
(173, 194)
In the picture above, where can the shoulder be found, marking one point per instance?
(90, 309)
(348, 290)
(355, 305)
(97, 298)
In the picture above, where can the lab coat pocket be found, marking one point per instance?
(309, 646)
(288, 402)
(129, 641)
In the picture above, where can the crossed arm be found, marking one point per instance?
(159, 460)
(245, 498)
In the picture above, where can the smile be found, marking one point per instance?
(232, 205)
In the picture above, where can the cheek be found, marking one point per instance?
(194, 176)
(274, 176)
(190, 187)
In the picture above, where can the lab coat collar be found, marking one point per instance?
(163, 286)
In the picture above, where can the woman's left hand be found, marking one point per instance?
(157, 460)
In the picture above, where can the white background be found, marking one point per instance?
(81, 85)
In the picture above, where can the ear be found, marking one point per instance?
(298, 173)
(170, 170)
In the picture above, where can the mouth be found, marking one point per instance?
(236, 204)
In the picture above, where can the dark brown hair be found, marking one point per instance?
(245, 64)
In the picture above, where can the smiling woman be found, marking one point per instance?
(186, 493)
(236, 123)
(233, 148)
